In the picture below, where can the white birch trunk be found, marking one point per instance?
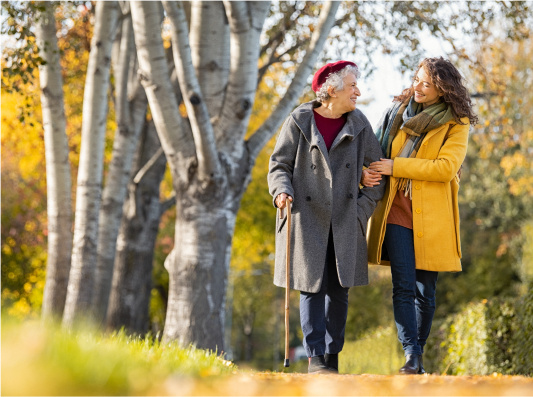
(205, 208)
(132, 276)
(246, 20)
(154, 73)
(209, 37)
(202, 129)
(197, 268)
(130, 110)
(89, 188)
(59, 200)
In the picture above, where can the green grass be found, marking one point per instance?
(378, 352)
(44, 359)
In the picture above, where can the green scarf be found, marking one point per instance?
(416, 122)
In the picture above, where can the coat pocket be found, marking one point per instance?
(362, 226)
(455, 207)
(281, 223)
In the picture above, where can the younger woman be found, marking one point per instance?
(415, 228)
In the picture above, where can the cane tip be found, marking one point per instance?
(286, 364)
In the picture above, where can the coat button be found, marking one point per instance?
(350, 196)
(420, 234)
(313, 167)
(308, 198)
(347, 165)
(417, 187)
(418, 210)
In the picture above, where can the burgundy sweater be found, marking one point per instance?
(329, 128)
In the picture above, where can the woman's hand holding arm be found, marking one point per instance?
(370, 178)
(383, 166)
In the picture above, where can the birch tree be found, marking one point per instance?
(90, 171)
(59, 207)
(130, 114)
(132, 275)
(211, 168)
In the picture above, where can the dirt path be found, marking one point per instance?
(277, 384)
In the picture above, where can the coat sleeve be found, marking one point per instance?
(444, 167)
(281, 165)
(369, 196)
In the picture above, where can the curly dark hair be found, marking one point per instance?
(449, 81)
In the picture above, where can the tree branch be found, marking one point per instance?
(263, 134)
(155, 77)
(167, 204)
(202, 130)
(275, 59)
(210, 51)
(246, 20)
(146, 167)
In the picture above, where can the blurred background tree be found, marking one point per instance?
(496, 195)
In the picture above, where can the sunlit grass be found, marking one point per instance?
(44, 359)
(379, 352)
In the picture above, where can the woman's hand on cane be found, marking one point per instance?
(280, 200)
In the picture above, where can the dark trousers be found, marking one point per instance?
(413, 291)
(323, 314)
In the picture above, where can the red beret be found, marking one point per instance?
(322, 74)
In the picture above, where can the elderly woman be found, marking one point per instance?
(317, 165)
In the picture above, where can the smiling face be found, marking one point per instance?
(345, 100)
(426, 92)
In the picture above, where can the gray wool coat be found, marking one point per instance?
(325, 190)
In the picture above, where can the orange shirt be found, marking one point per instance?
(401, 212)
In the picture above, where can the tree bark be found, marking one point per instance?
(130, 109)
(209, 37)
(132, 277)
(90, 173)
(197, 263)
(246, 20)
(202, 129)
(59, 200)
(155, 78)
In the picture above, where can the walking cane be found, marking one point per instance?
(287, 278)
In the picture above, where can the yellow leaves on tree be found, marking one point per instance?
(505, 131)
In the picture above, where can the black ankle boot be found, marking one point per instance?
(317, 365)
(421, 370)
(332, 361)
(412, 365)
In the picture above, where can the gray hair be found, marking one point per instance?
(336, 80)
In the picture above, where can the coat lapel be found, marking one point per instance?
(304, 118)
(437, 130)
(351, 129)
(398, 142)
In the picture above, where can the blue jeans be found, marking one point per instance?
(323, 314)
(413, 291)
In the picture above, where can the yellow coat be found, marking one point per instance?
(434, 198)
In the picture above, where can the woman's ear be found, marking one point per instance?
(331, 92)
